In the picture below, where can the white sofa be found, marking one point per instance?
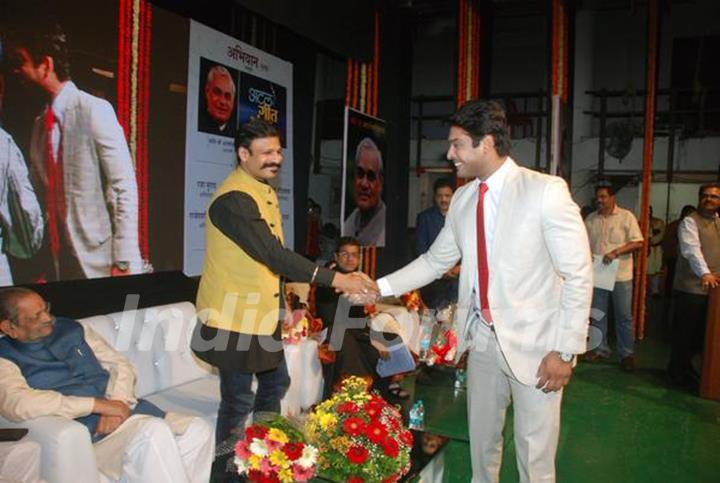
(157, 342)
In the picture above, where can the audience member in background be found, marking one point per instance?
(88, 186)
(614, 234)
(698, 271)
(670, 248)
(367, 220)
(429, 223)
(54, 366)
(655, 257)
(355, 345)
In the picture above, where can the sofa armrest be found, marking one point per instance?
(67, 452)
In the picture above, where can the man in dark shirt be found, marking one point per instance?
(239, 300)
(429, 223)
(356, 347)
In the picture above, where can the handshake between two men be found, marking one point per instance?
(357, 287)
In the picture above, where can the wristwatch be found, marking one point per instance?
(122, 266)
(566, 356)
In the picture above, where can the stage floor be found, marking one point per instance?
(616, 427)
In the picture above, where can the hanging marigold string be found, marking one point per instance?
(469, 39)
(133, 98)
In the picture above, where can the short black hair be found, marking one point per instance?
(255, 128)
(8, 302)
(482, 118)
(707, 186)
(45, 40)
(347, 240)
(611, 191)
(686, 210)
(443, 183)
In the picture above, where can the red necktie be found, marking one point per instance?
(55, 196)
(483, 269)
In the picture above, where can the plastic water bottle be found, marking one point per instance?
(426, 330)
(417, 416)
(460, 379)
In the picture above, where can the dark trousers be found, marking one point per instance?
(238, 399)
(688, 334)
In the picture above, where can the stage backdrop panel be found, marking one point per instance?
(261, 85)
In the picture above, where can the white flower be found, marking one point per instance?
(309, 457)
(258, 447)
(241, 465)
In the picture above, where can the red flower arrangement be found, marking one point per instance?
(359, 436)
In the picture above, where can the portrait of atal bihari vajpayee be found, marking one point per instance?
(367, 221)
(217, 100)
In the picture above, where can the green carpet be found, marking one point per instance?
(616, 427)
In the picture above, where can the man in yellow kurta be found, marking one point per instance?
(240, 296)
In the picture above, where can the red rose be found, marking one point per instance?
(391, 447)
(354, 426)
(407, 438)
(376, 432)
(357, 454)
(255, 431)
(348, 407)
(356, 479)
(293, 450)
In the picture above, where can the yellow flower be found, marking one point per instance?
(278, 458)
(286, 475)
(255, 461)
(328, 421)
(341, 443)
(276, 435)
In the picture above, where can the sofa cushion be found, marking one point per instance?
(156, 340)
(200, 397)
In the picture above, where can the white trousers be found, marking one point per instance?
(156, 455)
(20, 462)
(491, 388)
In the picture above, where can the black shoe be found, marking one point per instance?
(628, 364)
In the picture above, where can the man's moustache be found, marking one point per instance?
(271, 165)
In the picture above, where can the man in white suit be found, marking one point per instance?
(524, 296)
(81, 167)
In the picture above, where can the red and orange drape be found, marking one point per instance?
(133, 97)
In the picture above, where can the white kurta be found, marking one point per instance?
(180, 447)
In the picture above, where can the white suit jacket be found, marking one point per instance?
(540, 287)
(99, 179)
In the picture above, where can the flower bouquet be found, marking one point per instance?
(360, 436)
(275, 451)
(299, 322)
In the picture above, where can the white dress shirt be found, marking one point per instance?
(495, 183)
(58, 106)
(690, 247)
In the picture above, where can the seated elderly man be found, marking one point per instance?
(53, 366)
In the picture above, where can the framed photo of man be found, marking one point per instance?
(364, 147)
